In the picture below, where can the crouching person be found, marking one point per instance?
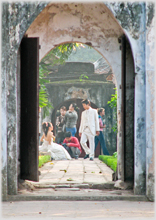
(72, 145)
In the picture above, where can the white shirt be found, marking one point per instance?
(86, 122)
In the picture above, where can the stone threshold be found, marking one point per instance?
(72, 197)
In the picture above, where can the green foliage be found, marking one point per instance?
(113, 104)
(111, 161)
(58, 55)
(44, 159)
(43, 93)
(115, 154)
(83, 77)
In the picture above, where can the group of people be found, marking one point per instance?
(66, 145)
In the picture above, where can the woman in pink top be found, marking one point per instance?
(101, 112)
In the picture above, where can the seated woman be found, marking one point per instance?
(56, 151)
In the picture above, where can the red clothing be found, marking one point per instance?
(73, 143)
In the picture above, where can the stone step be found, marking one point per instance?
(74, 196)
(67, 189)
(108, 185)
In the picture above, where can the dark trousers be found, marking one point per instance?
(59, 140)
(102, 143)
(73, 151)
(59, 137)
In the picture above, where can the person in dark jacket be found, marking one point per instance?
(60, 122)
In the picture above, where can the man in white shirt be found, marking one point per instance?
(89, 128)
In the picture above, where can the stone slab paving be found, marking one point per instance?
(91, 181)
(74, 172)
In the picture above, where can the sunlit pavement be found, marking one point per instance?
(75, 180)
(78, 210)
(74, 172)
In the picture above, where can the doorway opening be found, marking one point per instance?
(128, 153)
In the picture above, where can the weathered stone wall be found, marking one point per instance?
(150, 100)
(138, 22)
(16, 18)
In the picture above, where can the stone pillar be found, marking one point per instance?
(150, 104)
(12, 126)
(12, 104)
(4, 103)
(140, 111)
(120, 165)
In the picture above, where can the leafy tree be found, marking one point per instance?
(43, 93)
(113, 104)
(58, 55)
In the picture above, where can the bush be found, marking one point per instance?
(43, 159)
(115, 154)
(111, 161)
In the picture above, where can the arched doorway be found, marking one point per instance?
(104, 46)
(66, 104)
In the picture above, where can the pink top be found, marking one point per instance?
(101, 124)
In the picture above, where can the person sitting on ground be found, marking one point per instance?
(56, 151)
(72, 145)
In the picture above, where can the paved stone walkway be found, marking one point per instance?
(74, 180)
(74, 172)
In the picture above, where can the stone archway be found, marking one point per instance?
(61, 23)
(104, 40)
(136, 28)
